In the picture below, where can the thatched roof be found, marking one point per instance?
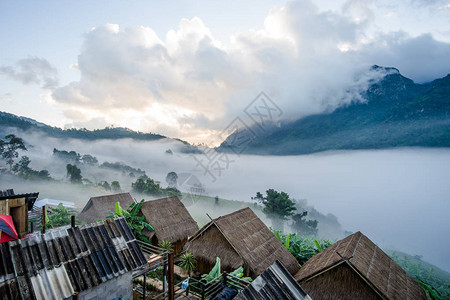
(240, 238)
(369, 262)
(170, 218)
(102, 206)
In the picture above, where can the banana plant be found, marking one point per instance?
(136, 223)
(239, 273)
(214, 273)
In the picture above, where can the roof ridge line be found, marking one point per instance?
(357, 244)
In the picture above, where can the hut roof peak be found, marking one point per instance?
(369, 262)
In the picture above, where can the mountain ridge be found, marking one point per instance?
(113, 133)
(397, 113)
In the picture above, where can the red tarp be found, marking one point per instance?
(8, 231)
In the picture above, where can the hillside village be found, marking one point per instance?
(119, 248)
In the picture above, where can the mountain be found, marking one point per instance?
(397, 112)
(8, 120)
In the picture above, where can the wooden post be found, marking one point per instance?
(43, 219)
(171, 278)
(75, 296)
(203, 289)
(224, 278)
(164, 279)
(145, 285)
(72, 221)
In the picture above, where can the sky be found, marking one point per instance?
(187, 69)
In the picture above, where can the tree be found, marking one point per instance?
(303, 226)
(9, 149)
(188, 262)
(115, 186)
(105, 185)
(44, 174)
(89, 159)
(72, 156)
(148, 186)
(171, 179)
(74, 173)
(21, 168)
(59, 216)
(277, 206)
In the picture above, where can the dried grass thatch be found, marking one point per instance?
(102, 206)
(373, 267)
(240, 238)
(171, 220)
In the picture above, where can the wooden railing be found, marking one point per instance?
(203, 290)
(158, 257)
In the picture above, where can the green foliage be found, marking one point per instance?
(188, 262)
(301, 247)
(59, 216)
(121, 167)
(435, 282)
(171, 179)
(147, 186)
(8, 149)
(239, 273)
(303, 226)
(10, 120)
(166, 245)
(431, 292)
(397, 113)
(22, 169)
(137, 224)
(214, 273)
(115, 186)
(105, 185)
(73, 173)
(72, 156)
(276, 204)
(89, 160)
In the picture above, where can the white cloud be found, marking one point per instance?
(188, 83)
(32, 70)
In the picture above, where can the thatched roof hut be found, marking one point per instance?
(102, 206)
(356, 268)
(171, 220)
(239, 239)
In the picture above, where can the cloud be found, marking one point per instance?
(32, 70)
(7, 97)
(421, 58)
(307, 60)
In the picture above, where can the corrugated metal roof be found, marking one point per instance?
(65, 260)
(30, 198)
(274, 283)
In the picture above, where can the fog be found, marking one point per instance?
(399, 198)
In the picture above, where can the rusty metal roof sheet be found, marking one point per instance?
(65, 260)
